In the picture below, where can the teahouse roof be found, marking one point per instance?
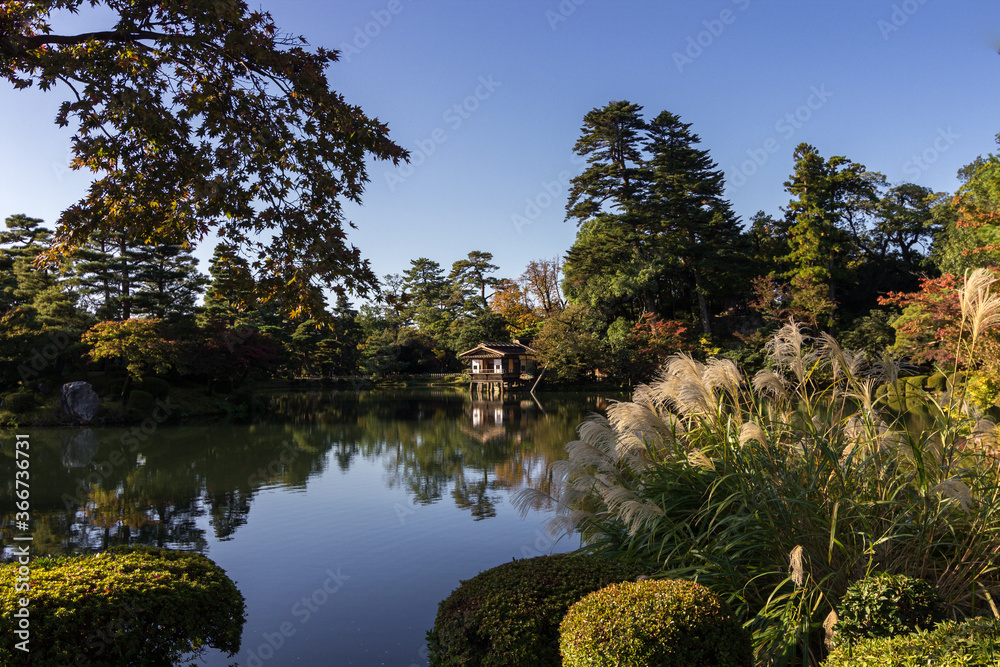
(491, 350)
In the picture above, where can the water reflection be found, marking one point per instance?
(91, 489)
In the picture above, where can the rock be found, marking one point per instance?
(79, 450)
(80, 401)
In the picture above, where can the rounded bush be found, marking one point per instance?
(886, 605)
(20, 402)
(648, 623)
(972, 643)
(125, 606)
(937, 382)
(158, 387)
(140, 402)
(509, 615)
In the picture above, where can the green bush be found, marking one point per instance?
(140, 402)
(973, 643)
(936, 382)
(125, 606)
(886, 605)
(20, 402)
(644, 623)
(158, 387)
(510, 614)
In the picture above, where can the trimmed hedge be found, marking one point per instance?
(509, 615)
(886, 605)
(972, 643)
(124, 606)
(647, 623)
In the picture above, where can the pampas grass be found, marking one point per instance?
(780, 492)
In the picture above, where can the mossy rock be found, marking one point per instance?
(140, 403)
(158, 387)
(655, 622)
(125, 606)
(971, 643)
(19, 402)
(509, 616)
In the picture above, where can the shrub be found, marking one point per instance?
(972, 643)
(140, 402)
(937, 382)
(20, 402)
(158, 387)
(125, 606)
(886, 605)
(510, 614)
(635, 624)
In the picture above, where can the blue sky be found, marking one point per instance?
(489, 97)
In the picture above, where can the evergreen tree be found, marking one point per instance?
(430, 293)
(167, 281)
(690, 220)
(830, 198)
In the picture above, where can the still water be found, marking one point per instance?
(343, 517)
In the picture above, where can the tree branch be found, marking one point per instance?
(34, 41)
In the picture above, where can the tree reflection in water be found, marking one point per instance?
(92, 490)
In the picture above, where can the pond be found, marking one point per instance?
(343, 517)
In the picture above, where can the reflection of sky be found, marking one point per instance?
(397, 560)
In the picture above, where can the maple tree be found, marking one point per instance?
(200, 116)
(931, 328)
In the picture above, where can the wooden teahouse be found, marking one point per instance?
(496, 367)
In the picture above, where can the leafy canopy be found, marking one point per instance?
(197, 116)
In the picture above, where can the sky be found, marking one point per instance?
(489, 98)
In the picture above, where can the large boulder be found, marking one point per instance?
(80, 401)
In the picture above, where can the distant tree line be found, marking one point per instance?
(660, 264)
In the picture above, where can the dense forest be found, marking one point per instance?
(661, 264)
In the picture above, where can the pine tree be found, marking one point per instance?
(167, 281)
(689, 220)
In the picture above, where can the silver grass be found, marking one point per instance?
(697, 459)
(955, 490)
(846, 364)
(724, 374)
(788, 350)
(979, 308)
(796, 566)
(635, 513)
(752, 431)
(768, 382)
